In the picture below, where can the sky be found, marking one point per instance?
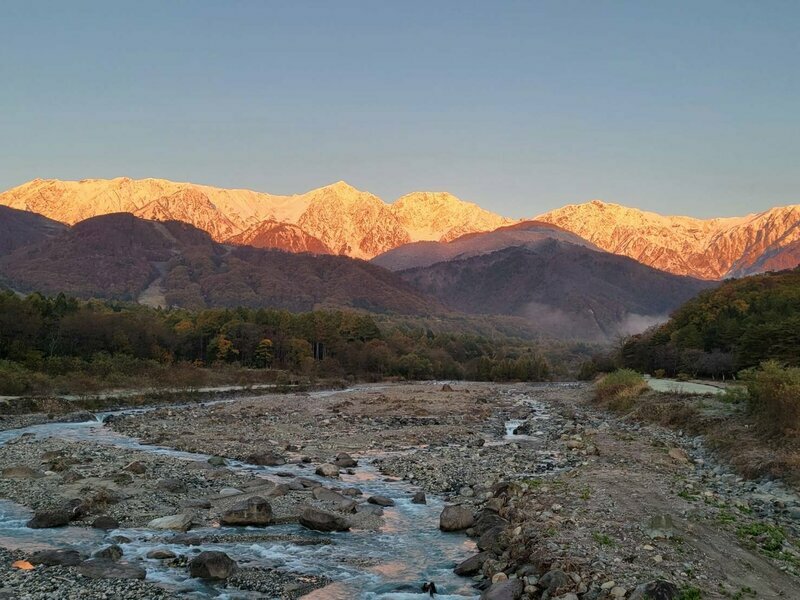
(676, 107)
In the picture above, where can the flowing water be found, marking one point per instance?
(391, 563)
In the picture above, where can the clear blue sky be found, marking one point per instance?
(679, 107)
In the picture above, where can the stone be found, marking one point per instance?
(171, 485)
(179, 522)
(105, 522)
(456, 518)
(608, 585)
(196, 503)
(43, 519)
(217, 461)
(161, 554)
(112, 552)
(266, 459)
(228, 491)
(212, 565)
(419, 498)
(320, 520)
(253, 511)
(679, 456)
(656, 590)
(510, 589)
(99, 568)
(380, 501)
(136, 467)
(554, 580)
(52, 558)
(327, 470)
(351, 491)
(447, 387)
(345, 461)
(472, 565)
(341, 502)
(491, 540)
(499, 577)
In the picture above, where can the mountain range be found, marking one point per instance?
(340, 219)
(589, 271)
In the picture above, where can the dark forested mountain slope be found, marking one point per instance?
(20, 227)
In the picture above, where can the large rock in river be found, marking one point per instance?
(472, 565)
(213, 565)
(327, 470)
(456, 518)
(266, 459)
(49, 518)
(319, 520)
(52, 558)
(253, 511)
(341, 502)
(181, 522)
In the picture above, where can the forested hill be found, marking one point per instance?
(737, 325)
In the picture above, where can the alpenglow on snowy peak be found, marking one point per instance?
(704, 248)
(343, 219)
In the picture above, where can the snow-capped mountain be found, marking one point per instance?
(344, 219)
(705, 248)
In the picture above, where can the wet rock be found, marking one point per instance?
(51, 558)
(327, 470)
(345, 461)
(488, 519)
(491, 539)
(161, 554)
(98, 568)
(656, 590)
(112, 552)
(266, 459)
(212, 565)
(320, 520)
(456, 518)
(217, 461)
(136, 467)
(472, 565)
(419, 498)
(21, 472)
(171, 485)
(186, 539)
(228, 491)
(179, 522)
(510, 589)
(49, 518)
(380, 501)
(341, 502)
(105, 522)
(253, 511)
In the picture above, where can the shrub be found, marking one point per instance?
(774, 397)
(620, 389)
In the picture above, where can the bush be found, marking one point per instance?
(620, 389)
(774, 397)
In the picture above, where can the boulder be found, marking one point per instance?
(112, 552)
(447, 387)
(380, 500)
(345, 461)
(419, 498)
(327, 470)
(99, 568)
(49, 518)
(320, 520)
(253, 511)
(105, 522)
(656, 590)
(136, 467)
(161, 554)
(179, 522)
(52, 558)
(217, 461)
(341, 502)
(509, 589)
(171, 485)
(554, 580)
(229, 491)
(212, 565)
(472, 565)
(491, 540)
(456, 518)
(351, 491)
(488, 519)
(266, 459)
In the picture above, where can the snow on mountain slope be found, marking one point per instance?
(705, 248)
(282, 236)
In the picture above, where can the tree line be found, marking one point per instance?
(59, 335)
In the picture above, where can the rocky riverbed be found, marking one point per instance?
(561, 500)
